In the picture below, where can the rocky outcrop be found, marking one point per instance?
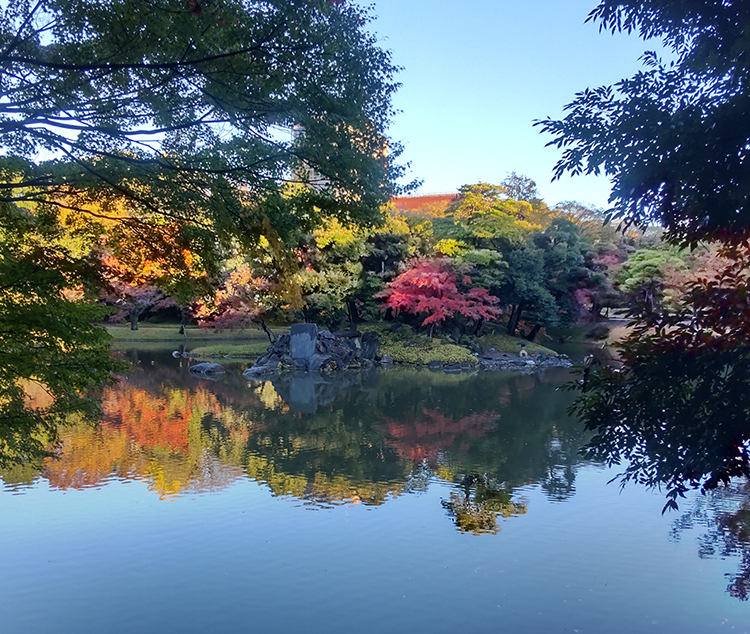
(320, 352)
(207, 370)
(323, 353)
(494, 360)
(302, 339)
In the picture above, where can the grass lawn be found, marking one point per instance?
(506, 343)
(171, 332)
(249, 349)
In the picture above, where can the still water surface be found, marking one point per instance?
(401, 501)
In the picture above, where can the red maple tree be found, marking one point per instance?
(430, 288)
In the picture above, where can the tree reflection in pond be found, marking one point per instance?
(478, 513)
(725, 514)
(365, 439)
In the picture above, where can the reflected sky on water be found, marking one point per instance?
(402, 500)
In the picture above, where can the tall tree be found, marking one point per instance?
(674, 139)
(520, 187)
(47, 343)
(430, 290)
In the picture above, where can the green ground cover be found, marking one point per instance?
(425, 350)
(244, 349)
(171, 332)
(506, 343)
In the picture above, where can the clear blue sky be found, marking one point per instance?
(476, 74)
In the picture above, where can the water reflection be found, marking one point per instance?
(724, 513)
(362, 438)
(479, 501)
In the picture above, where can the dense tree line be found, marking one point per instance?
(146, 142)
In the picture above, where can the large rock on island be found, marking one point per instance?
(317, 351)
(302, 340)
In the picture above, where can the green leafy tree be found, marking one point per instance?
(520, 187)
(484, 214)
(538, 278)
(52, 356)
(179, 107)
(673, 138)
(332, 273)
(644, 275)
(677, 411)
(567, 265)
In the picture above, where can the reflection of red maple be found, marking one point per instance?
(425, 438)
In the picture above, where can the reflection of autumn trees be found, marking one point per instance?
(514, 430)
(479, 501)
(155, 437)
(89, 456)
(376, 440)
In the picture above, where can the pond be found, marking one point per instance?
(400, 501)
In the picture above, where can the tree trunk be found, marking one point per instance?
(352, 313)
(596, 310)
(534, 331)
(515, 316)
(135, 313)
(650, 301)
(478, 327)
(266, 329)
(183, 320)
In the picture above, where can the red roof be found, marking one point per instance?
(430, 204)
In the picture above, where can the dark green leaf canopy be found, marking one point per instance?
(675, 137)
(195, 110)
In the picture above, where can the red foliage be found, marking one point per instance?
(429, 288)
(236, 304)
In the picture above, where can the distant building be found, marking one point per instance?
(428, 205)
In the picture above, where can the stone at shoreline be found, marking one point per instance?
(323, 363)
(259, 370)
(494, 361)
(207, 368)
